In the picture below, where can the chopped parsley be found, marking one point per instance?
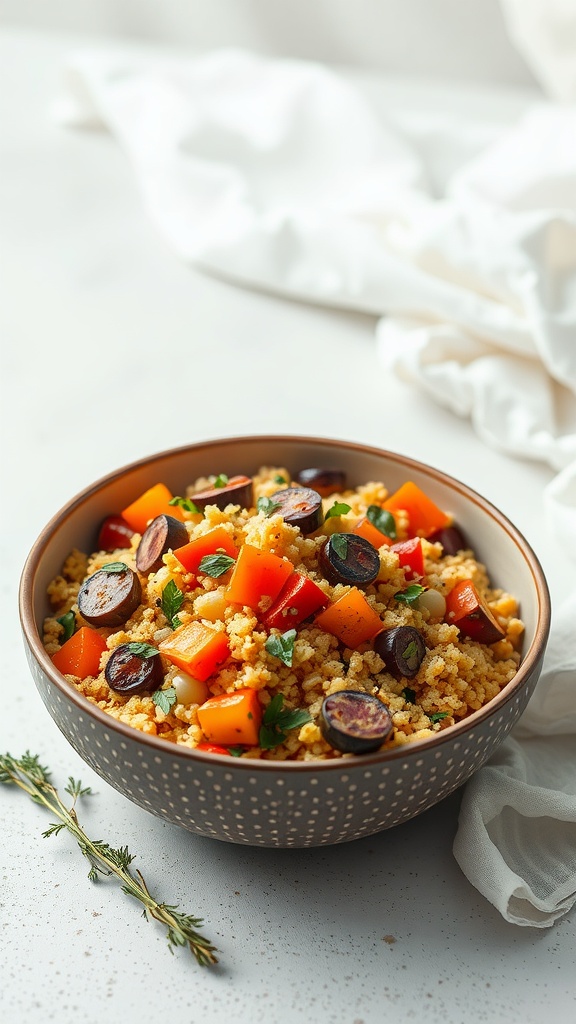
(278, 479)
(221, 480)
(409, 695)
(172, 598)
(339, 508)
(410, 595)
(115, 567)
(282, 647)
(437, 716)
(267, 506)
(187, 504)
(236, 751)
(276, 723)
(68, 623)
(215, 565)
(165, 699)
(142, 650)
(339, 544)
(382, 520)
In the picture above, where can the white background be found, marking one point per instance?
(111, 349)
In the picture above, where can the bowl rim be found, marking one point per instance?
(156, 744)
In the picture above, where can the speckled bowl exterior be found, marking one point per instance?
(270, 803)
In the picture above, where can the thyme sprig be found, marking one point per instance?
(34, 779)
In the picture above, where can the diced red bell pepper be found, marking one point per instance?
(410, 557)
(114, 533)
(467, 610)
(213, 748)
(299, 598)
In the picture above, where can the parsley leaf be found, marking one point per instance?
(410, 595)
(409, 695)
(142, 650)
(437, 716)
(282, 647)
(187, 504)
(221, 480)
(276, 723)
(267, 506)
(68, 623)
(165, 699)
(172, 598)
(115, 567)
(382, 520)
(339, 508)
(215, 565)
(236, 751)
(278, 479)
(339, 543)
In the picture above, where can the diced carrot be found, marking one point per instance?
(257, 574)
(216, 541)
(195, 648)
(154, 502)
(423, 514)
(364, 528)
(351, 619)
(232, 718)
(80, 655)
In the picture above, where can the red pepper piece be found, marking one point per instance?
(410, 556)
(467, 610)
(114, 533)
(299, 598)
(213, 748)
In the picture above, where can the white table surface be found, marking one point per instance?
(112, 349)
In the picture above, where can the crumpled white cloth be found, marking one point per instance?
(460, 234)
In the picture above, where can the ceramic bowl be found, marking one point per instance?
(268, 803)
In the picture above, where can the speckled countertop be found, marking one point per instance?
(108, 341)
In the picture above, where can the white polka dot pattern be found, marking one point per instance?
(275, 805)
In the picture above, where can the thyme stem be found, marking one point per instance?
(29, 775)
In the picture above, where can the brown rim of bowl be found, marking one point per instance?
(157, 744)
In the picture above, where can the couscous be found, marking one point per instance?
(273, 618)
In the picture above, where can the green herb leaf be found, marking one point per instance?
(187, 504)
(236, 751)
(165, 699)
(68, 623)
(409, 695)
(339, 508)
(382, 520)
(278, 479)
(267, 506)
(437, 716)
(29, 775)
(282, 647)
(215, 565)
(410, 652)
(410, 595)
(276, 723)
(221, 480)
(142, 650)
(339, 542)
(172, 598)
(115, 567)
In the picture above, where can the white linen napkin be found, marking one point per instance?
(459, 231)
